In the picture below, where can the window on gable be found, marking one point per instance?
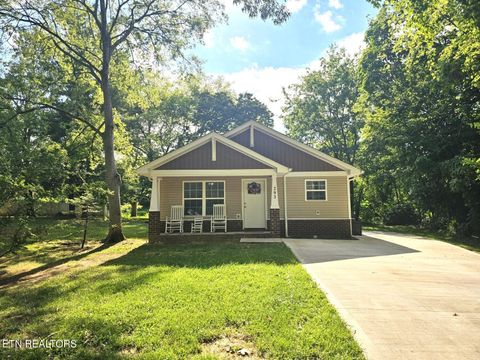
(315, 190)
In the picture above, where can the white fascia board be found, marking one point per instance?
(213, 172)
(239, 129)
(317, 173)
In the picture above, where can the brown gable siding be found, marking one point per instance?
(283, 153)
(201, 158)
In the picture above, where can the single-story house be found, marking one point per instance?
(266, 181)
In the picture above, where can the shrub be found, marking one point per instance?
(401, 214)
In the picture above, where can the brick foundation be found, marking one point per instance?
(154, 225)
(325, 229)
(282, 227)
(275, 225)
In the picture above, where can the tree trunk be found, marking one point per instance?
(115, 233)
(30, 204)
(85, 227)
(112, 177)
(133, 211)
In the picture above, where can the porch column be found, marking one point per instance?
(275, 227)
(154, 223)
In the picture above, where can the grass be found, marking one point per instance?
(57, 240)
(470, 243)
(178, 300)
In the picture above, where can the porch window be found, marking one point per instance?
(215, 194)
(200, 196)
(315, 190)
(193, 198)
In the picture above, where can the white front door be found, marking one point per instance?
(254, 203)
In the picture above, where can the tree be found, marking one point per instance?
(320, 109)
(420, 98)
(92, 34)
(221, 110)
(161, 115)
(250, 108)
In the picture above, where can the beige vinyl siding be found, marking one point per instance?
(335, 207)
(171, 193)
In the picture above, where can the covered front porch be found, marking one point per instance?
(251, 199)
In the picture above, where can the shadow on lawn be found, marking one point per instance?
(204, 254)
(20, 276)
(27, 307)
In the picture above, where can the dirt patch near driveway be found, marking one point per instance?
(231, 347)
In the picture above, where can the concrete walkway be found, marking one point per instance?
(405, 297)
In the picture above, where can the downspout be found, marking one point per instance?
(349, 179)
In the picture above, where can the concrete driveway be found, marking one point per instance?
(405, 297)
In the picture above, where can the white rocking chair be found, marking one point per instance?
(175, 221)
(219, 218)
(197, 224)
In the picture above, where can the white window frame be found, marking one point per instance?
(325, 190)
(204, 194)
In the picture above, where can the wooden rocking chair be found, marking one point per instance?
(219, 218)
(197, 224)
(175, 221)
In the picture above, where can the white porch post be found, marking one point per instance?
(274, 199)
(155, 195)
(275, 227)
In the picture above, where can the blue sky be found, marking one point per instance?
(261, 58)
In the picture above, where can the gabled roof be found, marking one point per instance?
(146, 169)
(351, 170)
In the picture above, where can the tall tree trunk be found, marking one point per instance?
(133, 211)
(112, 177)
(115, 233)
(85, 227)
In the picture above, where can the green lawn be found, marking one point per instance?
(196, 299)
(470, 243)
(57, 240)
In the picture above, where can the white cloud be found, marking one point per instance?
(295, 5)
(240, 43)
(266, 84)
(327, 20)
(335, 4)
(228, 5)
(352, 43)
(209, 39)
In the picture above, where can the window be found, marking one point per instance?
(192, 198)
(215, 194)
(315, 190)
(200, 196)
